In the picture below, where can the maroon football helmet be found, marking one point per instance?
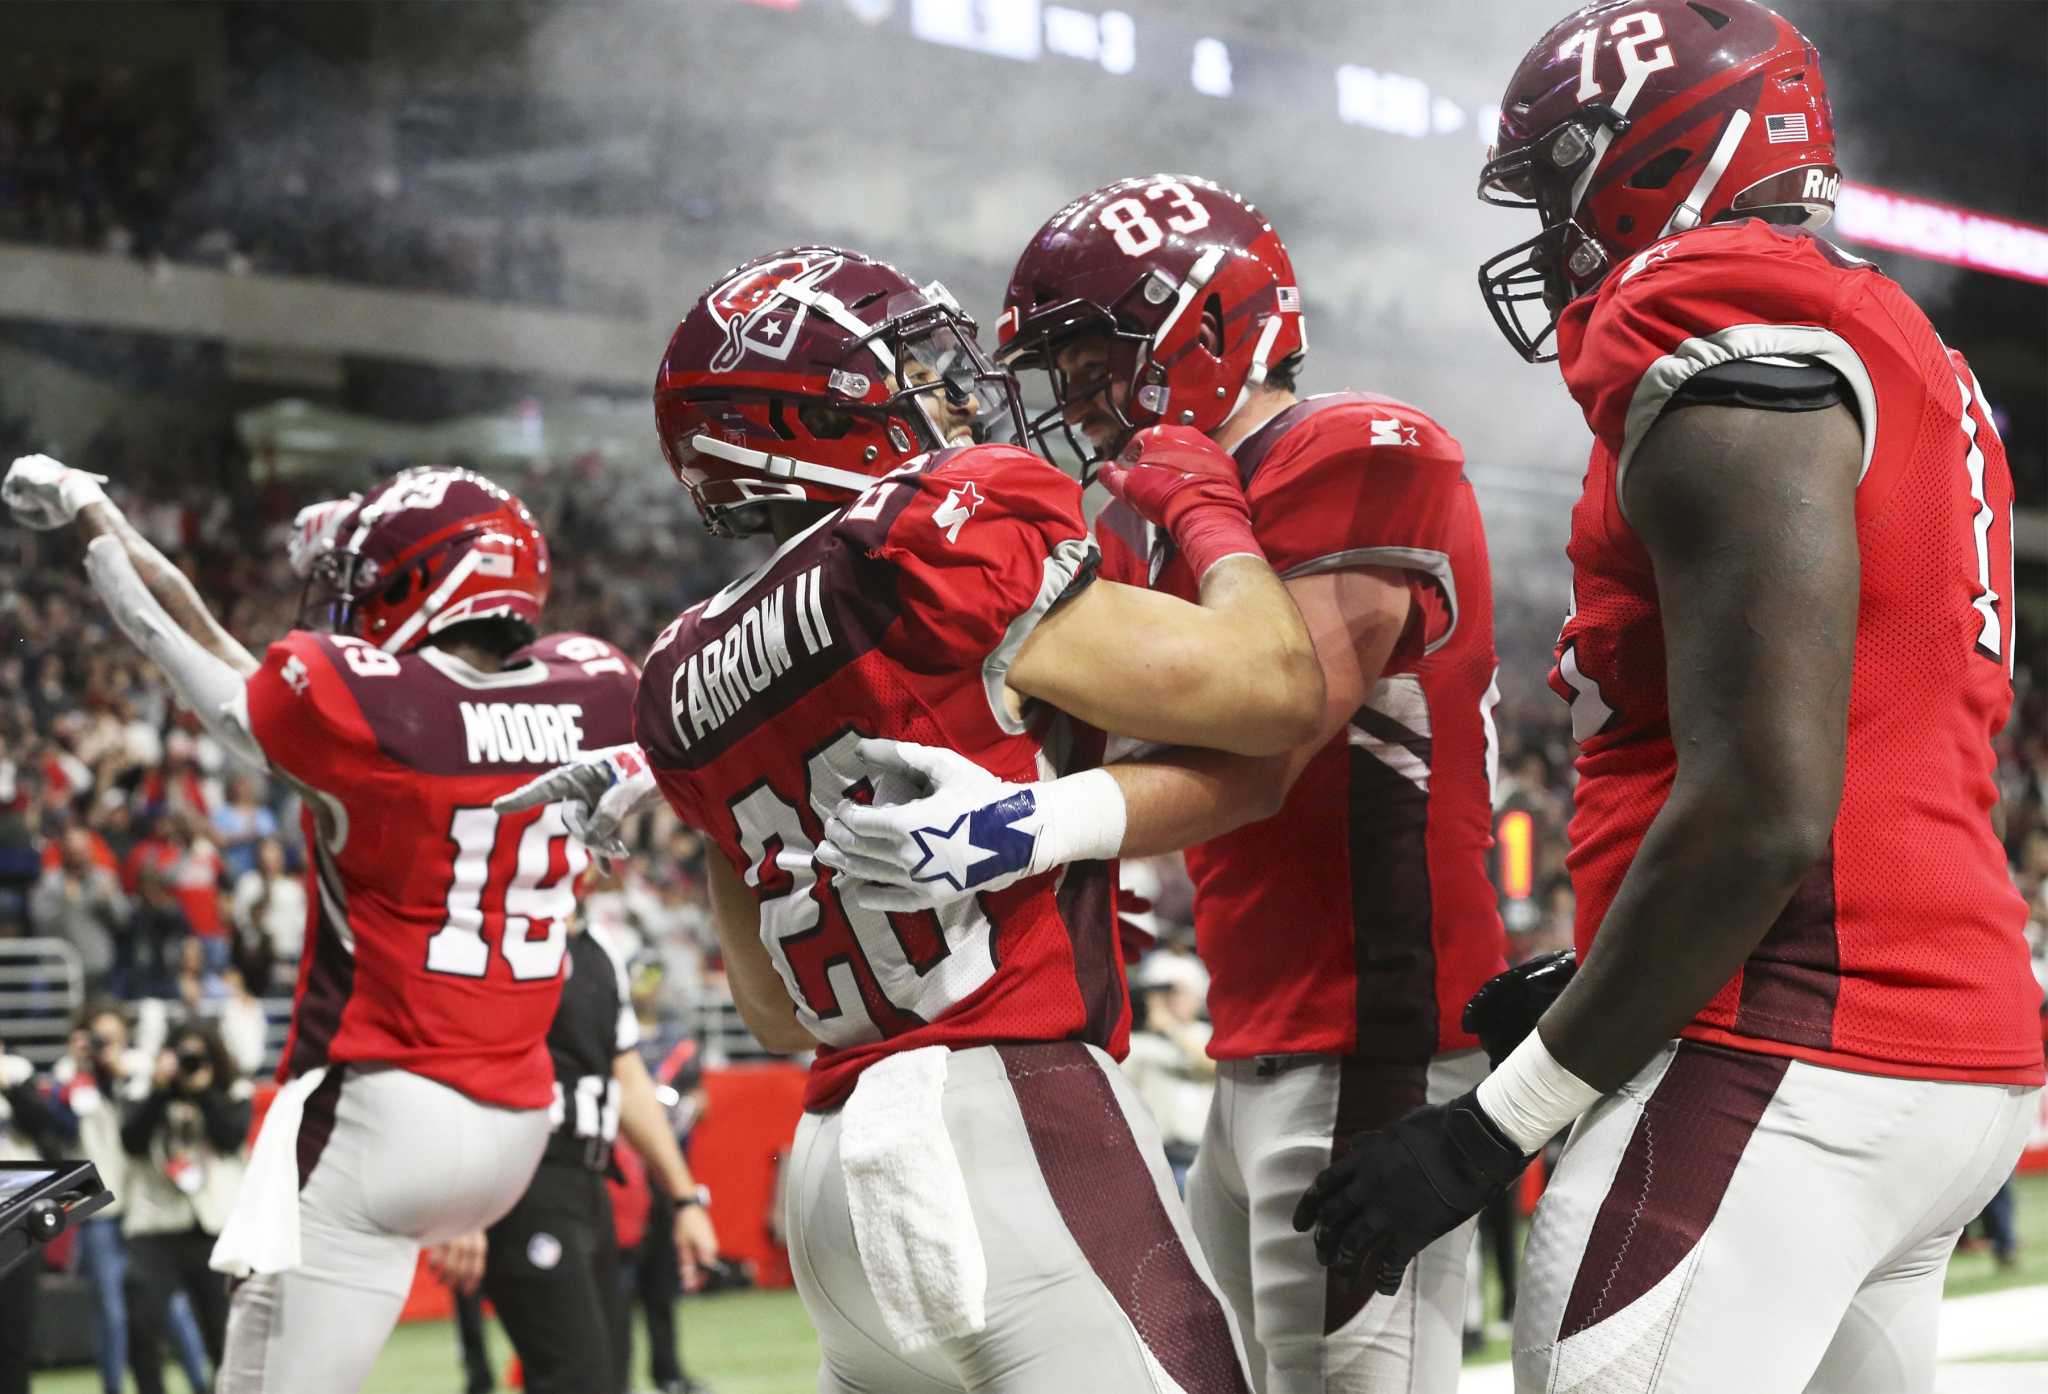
(808, 373)
(1633, 120)
(430, 548)
(1191, 286)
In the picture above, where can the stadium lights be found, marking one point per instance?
(1406, 106)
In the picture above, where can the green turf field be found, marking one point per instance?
(761, 1343)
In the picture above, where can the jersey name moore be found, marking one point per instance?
(523, 733)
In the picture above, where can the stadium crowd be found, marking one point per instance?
(123, 161)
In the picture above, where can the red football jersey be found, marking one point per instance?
(434, 934)
(1902, 952)
(896, 617)
(1359, 919)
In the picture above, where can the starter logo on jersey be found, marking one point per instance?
(1387, 431)
(952, 515)
(295, 675)
(757, 312)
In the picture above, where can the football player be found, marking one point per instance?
(551, 1265)
(416, 1079)
(1801, 1050)
(977, 1199)
(1341, 896)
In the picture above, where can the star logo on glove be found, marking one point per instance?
(952, 848)
(979, 845)
(952, 515)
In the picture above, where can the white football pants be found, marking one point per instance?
(396, 1161)
(1733, 1221)
(1270, 1132)
(1094, 1282)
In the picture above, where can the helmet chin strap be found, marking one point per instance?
(780, 466)
(1688, 215)
(1256, 377)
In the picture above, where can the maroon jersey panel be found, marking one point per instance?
(894, 618)
(1359, 919)
(1902, 953)
(435, 933)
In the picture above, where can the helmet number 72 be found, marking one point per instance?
(1635, 64)
(1137, 233)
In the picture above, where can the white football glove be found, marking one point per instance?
(313, 530)
(967, 831)
(44, 493)
(600, 791)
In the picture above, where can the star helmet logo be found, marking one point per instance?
(756, 312)
(952, 515)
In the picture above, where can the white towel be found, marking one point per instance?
(911, 1217)
(262, 1232)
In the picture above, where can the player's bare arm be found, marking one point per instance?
(1181, 797)
(645, 1124)
(1240, 667)
(757, 988)
(1749, 517)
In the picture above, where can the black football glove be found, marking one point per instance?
(1397, 1191)
(1506, 1008)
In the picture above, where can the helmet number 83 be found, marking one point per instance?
(1136, 231)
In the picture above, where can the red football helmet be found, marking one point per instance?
(1636, 119)
(429, 548)
(808, 373)
(1191, 285)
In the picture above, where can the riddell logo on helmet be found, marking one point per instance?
(1821, 185)
(757, 313)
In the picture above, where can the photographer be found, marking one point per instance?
(90, 1082)
(30, 1130)
(185, 1145)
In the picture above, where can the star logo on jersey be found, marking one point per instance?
(295, 675)
(978, 845)
(1648, 259)
(952, 515)
(1387, 431)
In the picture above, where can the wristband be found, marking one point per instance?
(1080, 819)
(78, 489)
(1531, 1097)
(1210, 533)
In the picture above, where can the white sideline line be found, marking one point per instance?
(1989, 1324)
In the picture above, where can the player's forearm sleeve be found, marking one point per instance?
(206, 684)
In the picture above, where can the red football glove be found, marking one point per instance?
(1186, 483)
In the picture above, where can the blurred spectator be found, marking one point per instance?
(1169, 1062)
(244, 1029)
(89, 1083)
(155, 932)
(200, 987)
(195, 879)
(81, 902)
(270, 920)
(184, 1139)
(240, 825)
